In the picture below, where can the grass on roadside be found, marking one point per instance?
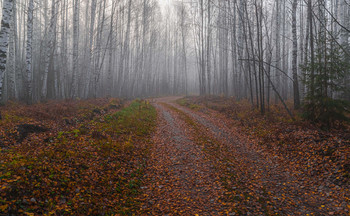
(94, 168)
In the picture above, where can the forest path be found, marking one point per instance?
(180, 179)
(200, 166)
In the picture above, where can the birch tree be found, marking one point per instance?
(11, 63)
(49, 48)
(29, 50)
(91, 42)
(4, 39)
(74, 87)
(135, 48)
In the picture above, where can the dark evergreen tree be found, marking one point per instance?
(325, 102)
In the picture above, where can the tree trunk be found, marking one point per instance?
(295, 56)
(49, 49)
(311, 35)
(74, 87)
(4, 39)
(29, 50)
(11, 65)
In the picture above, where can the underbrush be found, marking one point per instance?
(302, 146)
(89, 163)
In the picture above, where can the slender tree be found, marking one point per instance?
(4, 39)
(49, 49)
(29, 50)
(74, 88)
(295, 56)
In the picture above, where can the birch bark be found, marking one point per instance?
(4, 39)
(49, 48)
(29, 50)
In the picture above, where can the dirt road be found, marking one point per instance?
(200, 166)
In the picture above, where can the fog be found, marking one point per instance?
(256, 50)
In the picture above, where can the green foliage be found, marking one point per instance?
(128, 119)
(324, 104)
(183, 102)
(326, 110)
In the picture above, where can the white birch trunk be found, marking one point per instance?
(98, 64)
(75, 48)
(92, 24)
(11, 65)
(110, 61)
(49, 48)
(4, 38)
(29, 49)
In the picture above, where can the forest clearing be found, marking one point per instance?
(168, 156)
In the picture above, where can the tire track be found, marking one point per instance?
(179, 179)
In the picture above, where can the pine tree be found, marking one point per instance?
(324, 103)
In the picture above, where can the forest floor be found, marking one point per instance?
(168, 156)
(267, 165)
(73, 157)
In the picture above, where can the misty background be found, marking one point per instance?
(250, 49)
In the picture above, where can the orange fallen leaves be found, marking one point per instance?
(318, 161)
(80, 165)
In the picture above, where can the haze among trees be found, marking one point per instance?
(57, 49)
